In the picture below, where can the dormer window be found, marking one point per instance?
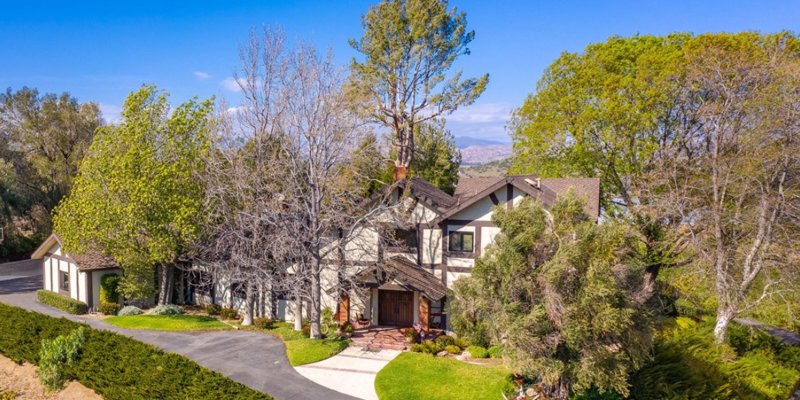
(461, 241)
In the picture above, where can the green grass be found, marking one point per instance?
(418, 376)
(168, 322)
(300, 349)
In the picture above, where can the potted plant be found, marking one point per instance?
(347, 329)
(411, 335)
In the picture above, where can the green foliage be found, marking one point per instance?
(495, 351)
(561, 293)
(420, 376)
(137, 197)
(383, 85)
(57, 355)
(43, 138)
(263, 323)
(166, 309)
(58, 300)
(109, 308)
(478, 352)
(7, 394)
(453, 349)
(228, 313)
(445, 340)
(436, 159)
(116, 366)
(427, 347)
(687, 364)
(213, 309)
(130, 310)
(169, 322)
(300, 349)
(347, 328)
(109, 284)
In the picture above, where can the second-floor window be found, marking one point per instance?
(461, 241)
(406, 238)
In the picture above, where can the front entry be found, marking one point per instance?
(395, 308)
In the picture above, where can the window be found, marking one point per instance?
(202, 282)
(239, 290)
(461, 241)
(406, 238)
(65, 281)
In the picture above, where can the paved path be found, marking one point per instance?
(784, 336)
(255, 359)
(356, 367)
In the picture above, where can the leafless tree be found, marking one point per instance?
(732, 179)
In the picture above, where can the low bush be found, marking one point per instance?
(213, 309)
(453, 349)
(445, 340)
(495, 351)
(427, 347)
(463, 343)
(116, 366)
(347, 328)
(57, 355)
(263, 323)
(306, 330)
(477, 352)
(228, 313)
(130, 310)
(166, 309)
(8, 394)
(109, 308)
(109, 284)
(65, 303)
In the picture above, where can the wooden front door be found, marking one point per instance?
(395, 308)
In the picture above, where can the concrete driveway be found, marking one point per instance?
(351, 372)
(253, 359)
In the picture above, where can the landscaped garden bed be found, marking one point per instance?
(115, 366)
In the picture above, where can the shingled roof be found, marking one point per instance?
(425, 191)
(411, 275)
(91, 260)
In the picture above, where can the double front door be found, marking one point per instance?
(395, 308)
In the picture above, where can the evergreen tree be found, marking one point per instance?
(437, 158)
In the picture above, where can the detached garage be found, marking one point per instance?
(76, 276)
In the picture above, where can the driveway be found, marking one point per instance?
(253, 359)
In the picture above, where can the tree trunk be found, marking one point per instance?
(298, 313)
(316, 302)
(724, 317)
(248, 305)
(165, 284)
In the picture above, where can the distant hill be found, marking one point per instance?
(493, 168)
(462, 142)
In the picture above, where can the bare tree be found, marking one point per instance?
(733, 177)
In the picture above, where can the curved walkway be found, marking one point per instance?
(253, 359)
(354, 366)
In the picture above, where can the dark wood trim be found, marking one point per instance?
(494, 199)
(420, 243)
(63, 258)
(451, 268)
(509, 196)
(44, 275)
(461, 254)
(89, 291)
(53, 277)
(476, 245)
(77, 282)
(357, 263)
(445, 235)
(401, 249)
(467, 222)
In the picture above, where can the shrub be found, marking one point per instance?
(116, 366)
(347, 328)
(495, 351)
(427, 347)
(8, 395)
(58, 354)
(453, 349)
(130, 310)
(477, 352)
(166, 309)
(445, 340)
(213, 309)
(306, 329)
(462, 343)
(109, 284)
(263, 323)
(109, 308)
(65, 303)
(228, 313)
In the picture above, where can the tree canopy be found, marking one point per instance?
(567, 298)
(408, 48)
(137, 197)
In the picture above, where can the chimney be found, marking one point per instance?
(400, 172)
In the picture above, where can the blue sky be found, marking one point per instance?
(100, 51)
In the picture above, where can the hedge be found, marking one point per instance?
(115, 366)
(109, 284)
(65, 303)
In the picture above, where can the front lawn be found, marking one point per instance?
(302, 350)
(168, 322)
(423, 376)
